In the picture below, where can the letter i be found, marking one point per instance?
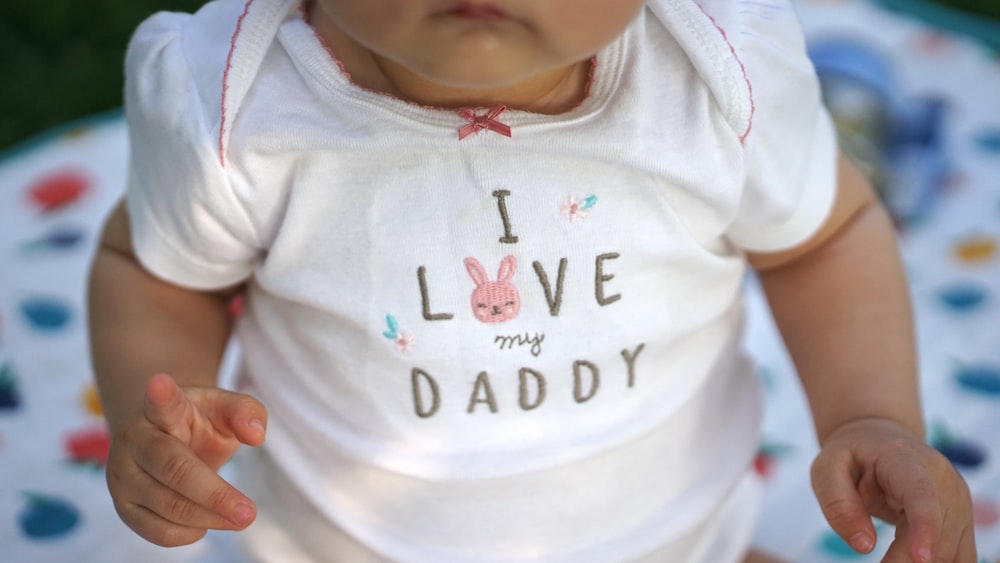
(508, 237)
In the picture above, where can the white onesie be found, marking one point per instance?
(488, 334)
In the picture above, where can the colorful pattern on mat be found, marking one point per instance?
(54, 505)
(55, 192)
(951, 254)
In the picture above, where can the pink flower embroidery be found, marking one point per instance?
(404, 342)
(578, 209)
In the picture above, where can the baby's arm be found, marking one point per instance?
(842, 306)
(170, 434)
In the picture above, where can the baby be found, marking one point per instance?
(492, 256)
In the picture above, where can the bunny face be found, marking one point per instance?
(494, 301)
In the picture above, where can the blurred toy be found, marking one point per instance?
(896, 141)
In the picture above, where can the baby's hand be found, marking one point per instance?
(163, 464)
(877, 467)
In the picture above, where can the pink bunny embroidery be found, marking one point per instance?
(494, 301)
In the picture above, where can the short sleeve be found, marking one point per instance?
(188, 227)
(789, 145)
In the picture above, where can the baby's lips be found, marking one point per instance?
(477, 11)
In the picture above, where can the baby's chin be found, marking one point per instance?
(497, 84)
(479, 77)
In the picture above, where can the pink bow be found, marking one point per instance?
(479, 122)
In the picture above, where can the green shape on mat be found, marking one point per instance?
(10, 396)
(983, 29)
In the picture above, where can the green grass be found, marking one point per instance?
(62, 59)
(988, 8)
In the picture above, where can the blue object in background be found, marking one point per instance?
(896, 141)
(46, 314)
(46, 516)
(961, 297)
(57, 239)
(983, 379)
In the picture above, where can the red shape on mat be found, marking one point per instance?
(59, 189)
(88, 446)
(763, 464)
(985, 512)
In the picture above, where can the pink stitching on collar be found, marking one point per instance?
(743, 69)
(225, 80)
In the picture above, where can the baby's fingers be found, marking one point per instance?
(178, 469)
(178, 509)
(842, 506)
(168, 519)
(242, 415)
(166, 406)
(967, 548)
(937, 533)
(157, 529)
(924, 520)
(936, 506)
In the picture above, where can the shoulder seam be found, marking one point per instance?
(710, 47)
(225, 81)
(743, 71)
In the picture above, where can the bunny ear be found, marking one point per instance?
(476, 271)
(507, 268)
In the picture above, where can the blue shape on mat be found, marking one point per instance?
(989, 141)
(961, 452)
(981, 378)
(10, 396)
(46, 314)
(962, 297)
(60, 238)
(834, 545)
(47, 516)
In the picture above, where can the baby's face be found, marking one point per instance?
(480, 43)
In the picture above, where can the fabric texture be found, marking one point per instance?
(468, 347)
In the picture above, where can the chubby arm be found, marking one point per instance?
(156, 352)
(141, 325)
(842, 306)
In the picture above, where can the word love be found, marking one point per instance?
(531, 387)
(499, 301)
